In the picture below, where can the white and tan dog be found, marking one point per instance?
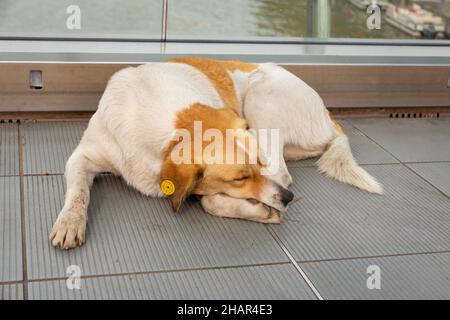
(132, 135)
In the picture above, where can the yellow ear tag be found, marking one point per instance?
(167, 187)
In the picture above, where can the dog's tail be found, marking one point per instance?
(337, 162)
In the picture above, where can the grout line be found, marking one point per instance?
(404, 164)
(120, 274)
(42, 174)
(5, 283)
(375, 257)
(360, 164)
(22, 217)
(32, 175)
(426, 180)
(420, 162)
(296, 265)
(48, 174)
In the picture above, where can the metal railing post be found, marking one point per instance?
(165, 8)
(318, 18)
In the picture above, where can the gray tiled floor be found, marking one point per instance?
(425, 276)
(410, 140)
(437, 173)
(137, 248)
(260, 282)
(46, 148)
(11, 291)
(10, 230)
(128, 233)
(364, 150)
(334, 221)
(9, 150)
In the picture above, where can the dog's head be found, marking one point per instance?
(208, 167)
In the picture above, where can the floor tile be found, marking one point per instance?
(437, 174)
(128, 232)
(259, 282)
(363, 149)
(9, 149)
(48, 145)
(333, 220)
(11, 291)
(10, 230)
(410, 140)
(401, 277)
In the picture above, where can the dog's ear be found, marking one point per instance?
(178, 181)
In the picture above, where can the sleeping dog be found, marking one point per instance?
(143, 117)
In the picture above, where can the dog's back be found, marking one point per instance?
(135, 118)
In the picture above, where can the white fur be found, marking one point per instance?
(127, 135)
(134, 124)
(277, 99)
(337, 162)
(136, 118)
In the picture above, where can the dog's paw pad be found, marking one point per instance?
(68, 232)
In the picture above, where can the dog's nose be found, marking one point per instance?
(286, 196)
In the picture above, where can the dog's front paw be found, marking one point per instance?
(274, 217)
(68, 231)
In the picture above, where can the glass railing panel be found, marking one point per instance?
(390, 19)
(236, 18)
(81, 18)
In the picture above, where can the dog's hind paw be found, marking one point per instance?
(69, 231)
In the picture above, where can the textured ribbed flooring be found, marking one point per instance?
(10, 230)
(333, 221)
(263, 282)
(47, 146)
(424, 276)
(128, 232)
(11, 291)
(137, 248)
(9, 151)
(410, 140)
(437, 173)
(364, 150)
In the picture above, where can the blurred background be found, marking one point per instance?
(182, 19)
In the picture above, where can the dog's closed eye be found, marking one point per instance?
(243, 175)
(253, 201)
(242, 178)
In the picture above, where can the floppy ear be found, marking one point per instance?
(184, 178)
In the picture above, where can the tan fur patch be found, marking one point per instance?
(338, 127)
(221, 119)
(205, 179)
(219, 77)
(211, 118)
(336, 124)
(232, 65)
